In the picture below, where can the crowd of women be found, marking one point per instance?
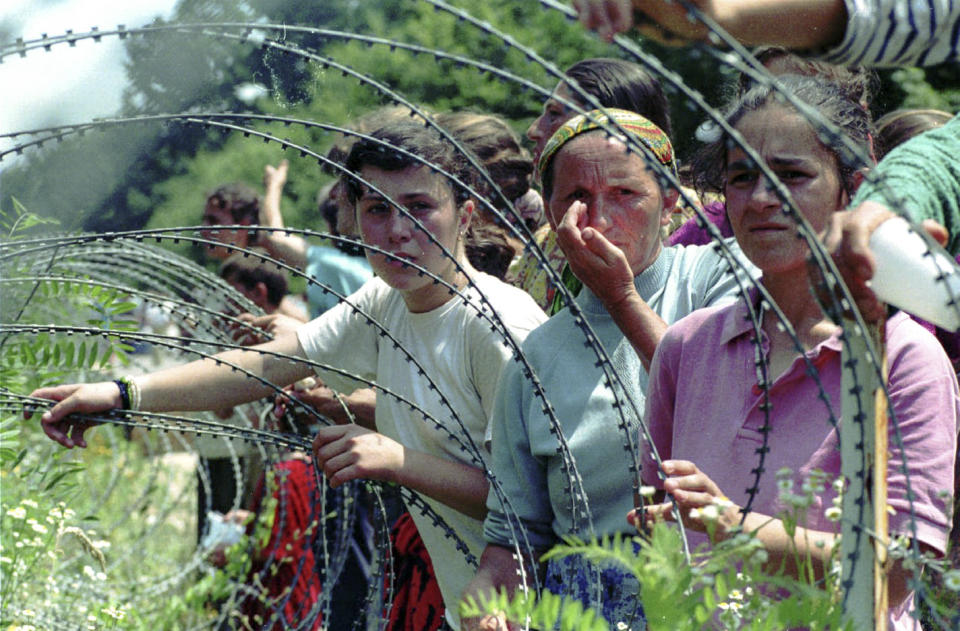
(669, 361)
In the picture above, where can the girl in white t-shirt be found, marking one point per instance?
(429, 331)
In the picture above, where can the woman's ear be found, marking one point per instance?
(670, 197)
(466, 214)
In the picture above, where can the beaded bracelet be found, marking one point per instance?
(129, 393)
(124, 393)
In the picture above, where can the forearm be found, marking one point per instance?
(640, 324)
(790, 23)
(288, 248)
(209, 384)
(813, 549)
(807, 550)
(455, 484)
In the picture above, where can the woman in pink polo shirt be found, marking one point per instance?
(706, 400)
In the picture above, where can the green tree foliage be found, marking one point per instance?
(156, 175)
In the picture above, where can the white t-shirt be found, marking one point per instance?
(460, 354)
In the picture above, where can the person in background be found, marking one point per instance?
(261, 285)
(897, 127)
(339, 266)
(284, 576)
(228, 205)
(238, 204)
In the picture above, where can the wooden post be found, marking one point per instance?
(863, 441)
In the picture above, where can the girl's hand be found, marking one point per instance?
(351, 452)
(74, 398)
(598, 264)
(702, 505)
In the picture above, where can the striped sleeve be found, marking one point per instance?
(883, 33)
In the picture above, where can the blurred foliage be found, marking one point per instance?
(157, 175)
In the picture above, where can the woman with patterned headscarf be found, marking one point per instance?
(609, 182)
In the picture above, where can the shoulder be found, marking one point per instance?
(515, 308)
(704, 324)
(912, 349)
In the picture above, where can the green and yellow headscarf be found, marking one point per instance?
(637, 127)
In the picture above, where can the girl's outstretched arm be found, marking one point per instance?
(205, 384)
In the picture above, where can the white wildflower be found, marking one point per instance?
(648, 491)
(710, 513)
(951, 579)
(39, 528)
(17, 513)
(29, 503)
(833, 513)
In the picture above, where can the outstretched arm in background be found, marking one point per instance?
(291, 249)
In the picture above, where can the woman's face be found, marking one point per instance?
(429, 198)
(554, 115)
(788, 145)
(623, 198)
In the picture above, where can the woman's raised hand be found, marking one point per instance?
(598, 264)
(74, 398)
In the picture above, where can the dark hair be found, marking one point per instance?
(856, 81)
(489, 250)
(499, 149)
(623, 85)
(899, 126)
(365, 124)
(249, 270)
(832, 103)
(242, 201)
(426, 143)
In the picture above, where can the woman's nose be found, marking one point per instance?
(533, 131)
(400, 226)
(597, 213)
(763, 196)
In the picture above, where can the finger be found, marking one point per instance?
(936, 231)
(655, 513)
(693, 498)
(326, 436)
(338, 475)
(601, 247)
(55, 433)
(678, 467)
(65, 407)
(76, 433)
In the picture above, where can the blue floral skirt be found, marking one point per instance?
(608, 589)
